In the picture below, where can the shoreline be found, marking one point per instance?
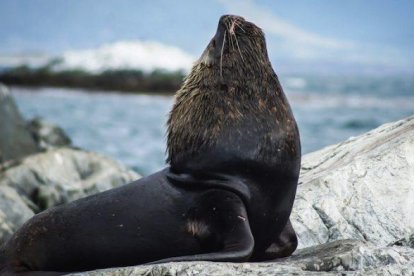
(122, 80)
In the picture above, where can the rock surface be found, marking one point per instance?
(13, 212)
(15, 140)
(361, 189)
(348, 257)
(54, 177)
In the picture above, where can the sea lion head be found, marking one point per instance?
(235, 40)
(237, 49)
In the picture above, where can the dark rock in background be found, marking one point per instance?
(47, 135)
(15, 140)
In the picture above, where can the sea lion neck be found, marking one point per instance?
(204, 111)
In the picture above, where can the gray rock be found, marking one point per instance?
(63, 175)
(359, 189)
(348, 257)
(13, 212)
(54, 177)
(15, 140)
(47, 135)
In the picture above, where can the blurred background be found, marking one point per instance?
(106, 71)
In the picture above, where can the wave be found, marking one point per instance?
(143, 55)
(295, 83)
(322, 101)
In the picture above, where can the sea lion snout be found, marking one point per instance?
(226, 27)
(217, 46)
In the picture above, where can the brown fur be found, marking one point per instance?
(217, 94)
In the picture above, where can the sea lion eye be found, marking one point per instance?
(213, 43)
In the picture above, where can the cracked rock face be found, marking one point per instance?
(360, 189)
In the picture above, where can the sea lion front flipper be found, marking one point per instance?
(224, 215)
(283, 245)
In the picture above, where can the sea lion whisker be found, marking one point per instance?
(238, 25)
(230, 32)
(233, 23)
(238, 47)
(221, 55)
(234, 48)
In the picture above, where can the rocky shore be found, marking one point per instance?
(122, 80)
(353, 211)
(39, 168)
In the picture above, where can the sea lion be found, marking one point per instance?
(234, 156)
(239, 132)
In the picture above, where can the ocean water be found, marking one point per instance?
(131, 128)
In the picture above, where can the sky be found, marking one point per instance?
(325, 35)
